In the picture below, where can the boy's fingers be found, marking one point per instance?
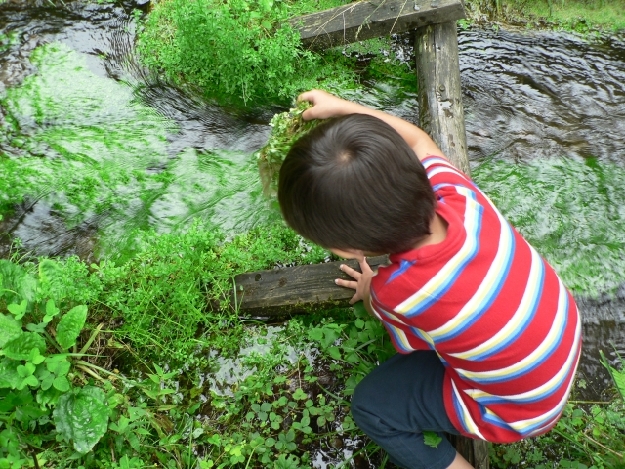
(304, 96)
(308, 114)
(346, 283)
(349, 271)
(364, 266)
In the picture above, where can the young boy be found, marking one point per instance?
(487, 335)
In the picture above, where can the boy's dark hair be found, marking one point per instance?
(354, 183)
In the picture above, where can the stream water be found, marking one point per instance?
(93, 147)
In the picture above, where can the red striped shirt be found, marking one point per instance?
(498, 316)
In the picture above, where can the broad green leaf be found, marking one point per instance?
(49, 271)
(51, 311)
(335, 353)
(29, 381)
(81, 416)
(10, 328)
(58, 367)
(617, 376)
(431, 439)
(61, 383)
(70, 326)
(9, 377)
(18, 310)
(35, 357)
(360, 311)
(17, 285)
(21, 346)
(315, 334)
(619, 380)
(47, 381)
(26, 370)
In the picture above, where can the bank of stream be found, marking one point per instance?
(95, 149)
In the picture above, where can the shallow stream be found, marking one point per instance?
(93, 147)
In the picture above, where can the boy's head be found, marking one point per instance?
(354, 183)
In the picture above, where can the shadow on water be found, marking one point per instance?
(94, 147)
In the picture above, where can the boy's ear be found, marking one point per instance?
(349, 254)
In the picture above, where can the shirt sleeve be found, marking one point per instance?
(403, 336)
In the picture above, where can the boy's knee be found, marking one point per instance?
(363, 403)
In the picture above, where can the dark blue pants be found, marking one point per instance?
(397, 402)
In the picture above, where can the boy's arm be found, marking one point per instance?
(326, 105)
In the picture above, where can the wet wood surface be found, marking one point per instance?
(374, 18)
(295, 289)
(441, 113)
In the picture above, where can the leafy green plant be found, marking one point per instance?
(355, 346)
(37, 385)
(237, 52)
(176, 294)
(589, 435)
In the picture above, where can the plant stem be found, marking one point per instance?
(92, 338)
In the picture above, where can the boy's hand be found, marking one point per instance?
(325, 105)
(361, 282)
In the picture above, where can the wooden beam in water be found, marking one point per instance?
(295, 289)
(374, 18)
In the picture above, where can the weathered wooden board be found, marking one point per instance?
(474, 451)
(374, 18)
(441, 113)
(279, 291)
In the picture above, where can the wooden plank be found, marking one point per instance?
(292, 289)
(474, 451)
(374, 18)
(441, 113)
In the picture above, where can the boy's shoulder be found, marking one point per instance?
(442, 173)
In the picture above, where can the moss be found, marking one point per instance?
(571, 210)
(286, 128)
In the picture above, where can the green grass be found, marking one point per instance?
(571, 15)
(243, 393)
(238, 52)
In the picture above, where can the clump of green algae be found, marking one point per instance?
(286, 128)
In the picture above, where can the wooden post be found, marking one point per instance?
(441, 113)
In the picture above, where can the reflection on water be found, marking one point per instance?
(541, 94)
(93, 147)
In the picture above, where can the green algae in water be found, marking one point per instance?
(84, 137)
(84, 146)
(572, 211)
